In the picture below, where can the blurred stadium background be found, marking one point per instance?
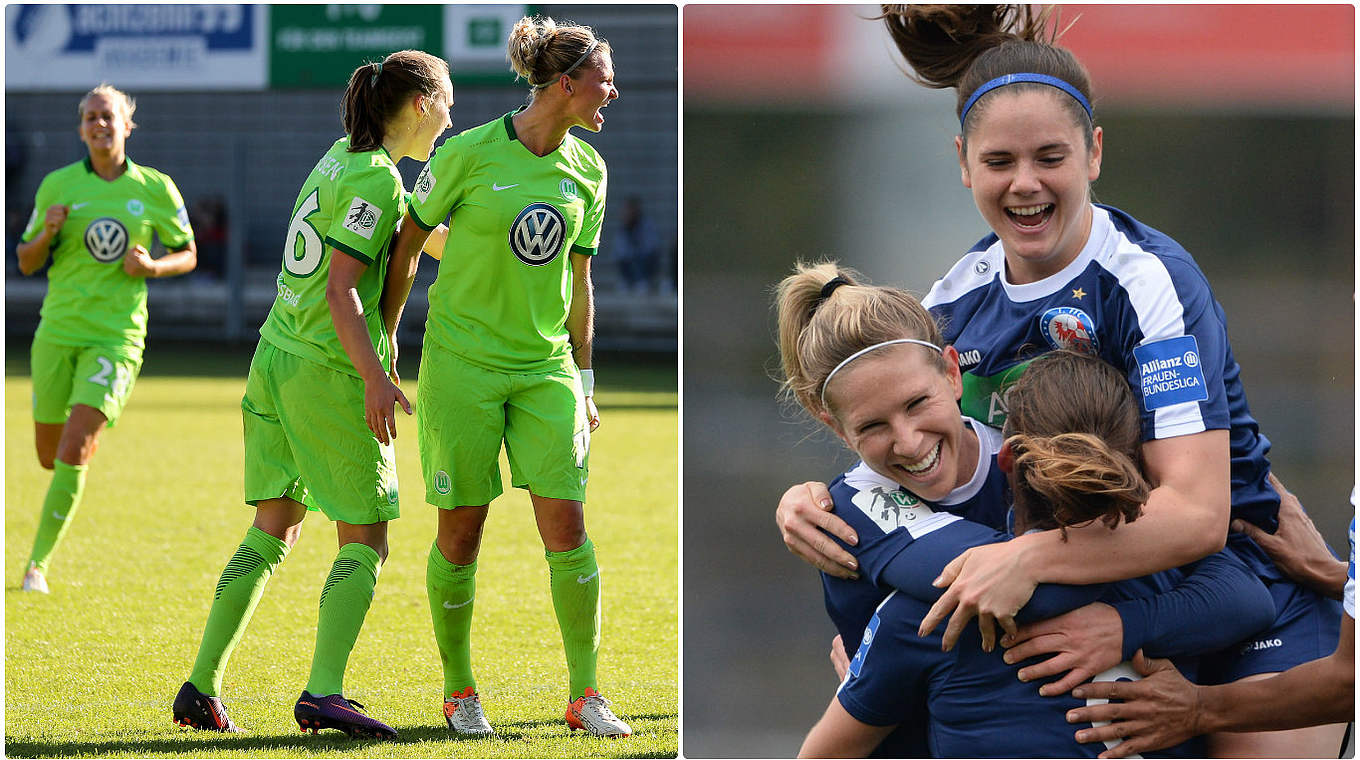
(1231, 128)
(235, 102)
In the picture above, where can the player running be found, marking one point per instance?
(866, 361)
(319, 406)
(1061, 272)
(95, 219)
(508, 347)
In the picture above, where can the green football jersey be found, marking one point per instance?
(351, 202)
(90, 300)
(504, 286)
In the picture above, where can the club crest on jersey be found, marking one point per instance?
(537, 235)
(424, 184)
(441, 482)
(362, 218)
(135, 207)
(106, 239)
(1070, 328)
(891, 507)
(568, 188)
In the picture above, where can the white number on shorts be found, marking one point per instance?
(122, 376)
(305, 264)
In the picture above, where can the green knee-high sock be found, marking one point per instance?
(238, 592)
(344, 603)
(451, 589)
(63, 498)
(575, 581)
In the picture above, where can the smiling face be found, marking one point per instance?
(592, 91)
(1030, 172)
(899, 411)
(104, 125)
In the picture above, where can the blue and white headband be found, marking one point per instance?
(1002, 81)
(864, 351)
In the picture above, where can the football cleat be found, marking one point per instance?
(591, 714)
(463, 713)
(334, 711)
(34, 580)
(195, 709)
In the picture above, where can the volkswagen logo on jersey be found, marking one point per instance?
(1069, 328)
(537, 235)
(106, 239)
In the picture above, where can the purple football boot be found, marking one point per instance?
(197, 710)
(339, 713)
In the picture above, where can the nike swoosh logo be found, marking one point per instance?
(497, 188)
(59, 515)
(76, 206)
(448, 606)
(589, 578)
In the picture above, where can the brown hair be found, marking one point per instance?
(1074, 428)
(118, 96)
(377, 92)
(540, 50)
(816, 333)
(966, 46)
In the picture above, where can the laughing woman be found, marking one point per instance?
(507, 349)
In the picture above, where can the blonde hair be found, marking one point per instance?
(540, 50)
(1074, 427)
(128, 105)
(816, 332)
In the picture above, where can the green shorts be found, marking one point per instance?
(305, 438)
(463, 413)
(98, 376)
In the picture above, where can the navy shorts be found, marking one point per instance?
(1307, 626)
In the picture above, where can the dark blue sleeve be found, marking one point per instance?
(912, 569)
(889, 676)
(1219, 603)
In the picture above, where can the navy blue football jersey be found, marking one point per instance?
(1136, 299)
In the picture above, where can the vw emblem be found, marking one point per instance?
(106, 239)
(537, 235)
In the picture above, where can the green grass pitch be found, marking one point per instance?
(90, 670)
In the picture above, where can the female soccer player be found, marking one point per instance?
(319, 407)
(95, 220)
(865, 361)
(1060, 272)
(507, 349)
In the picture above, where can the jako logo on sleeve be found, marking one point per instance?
(1170, 372)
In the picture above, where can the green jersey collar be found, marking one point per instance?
(89, 164)
(510, 124)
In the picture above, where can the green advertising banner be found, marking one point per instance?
(320, 45)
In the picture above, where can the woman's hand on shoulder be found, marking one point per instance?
(805, 521)
(988, 582)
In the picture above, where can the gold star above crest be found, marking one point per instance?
(1078, 294)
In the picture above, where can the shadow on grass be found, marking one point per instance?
(330, 741)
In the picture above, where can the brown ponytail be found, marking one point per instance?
(377, 91)
(1075, 431)
(966, 46)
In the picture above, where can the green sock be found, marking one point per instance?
(63, 497)
(451, 589)
(575, 581)
(344, 603)
(238, 592)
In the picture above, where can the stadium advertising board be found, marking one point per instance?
(141, 47)
(319, 45)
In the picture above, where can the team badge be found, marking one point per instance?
(537, 235)
(982, 267)
(568, 189)
(441, 482)
(106, 239)
(362, 218)
(135, 207)
(1070, 328)
(424, 184)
